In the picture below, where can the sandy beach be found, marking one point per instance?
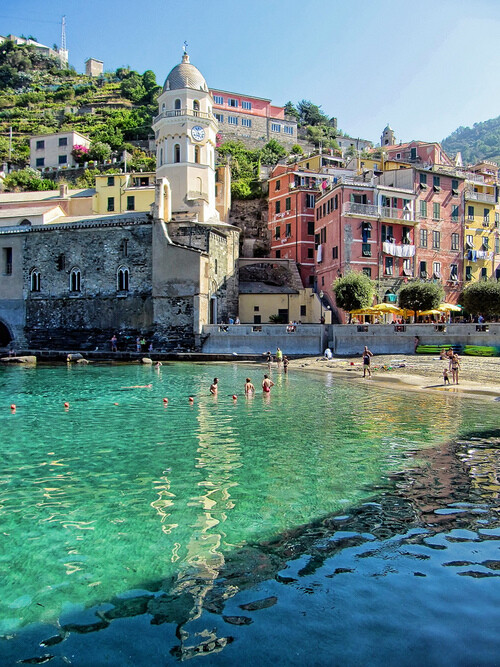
(479, 376)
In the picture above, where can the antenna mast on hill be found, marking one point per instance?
(63, 33)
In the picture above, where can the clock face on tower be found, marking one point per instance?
(198, 133)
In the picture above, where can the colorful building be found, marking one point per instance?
(291, 219)
(252, 118)
(365, 227)
(439, 219)
(117, 193)
(53, 151)
(481, 223)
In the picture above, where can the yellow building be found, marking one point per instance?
(117, 193)
(481, 223)
(258, 303)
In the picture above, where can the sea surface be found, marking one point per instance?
(328, 523)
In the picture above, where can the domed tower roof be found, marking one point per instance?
(185, 75)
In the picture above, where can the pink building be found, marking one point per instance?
(255, 118)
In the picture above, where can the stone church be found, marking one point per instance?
(162, 274)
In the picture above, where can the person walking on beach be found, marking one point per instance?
(367, 355)
(446, 377)
(267, 384)
(114, 343)
(249, 388)
(214, 387)
(454, 368)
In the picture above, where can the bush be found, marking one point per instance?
(297, 150)
(419, 295)
(27, 180)
(99, 151)
(353, 291)
(482, 298)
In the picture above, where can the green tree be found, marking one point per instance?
(420, 295)
(290, 110)
(99, 151)
(296, 149)
(482, 298)
(272, 153)
(132, 87)
(311, 114)
(353, 291)
(87, 179)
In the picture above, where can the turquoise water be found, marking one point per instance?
(119, 498)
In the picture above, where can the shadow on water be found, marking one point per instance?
(449, 496)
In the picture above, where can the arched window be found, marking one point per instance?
(122, 279)
(196, 107)
(75, 280)
(177, 105)
(197, 154)
(161, 155)
(35, 281)
(163, 106)
(200, 185)
(177, 153)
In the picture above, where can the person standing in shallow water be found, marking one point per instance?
(267, 384)
(214, 387)
(249, 388)
(367, 355)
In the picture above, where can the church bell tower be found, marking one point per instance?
(185, 133)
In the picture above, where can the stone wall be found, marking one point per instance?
(250, 216)
(57, 316)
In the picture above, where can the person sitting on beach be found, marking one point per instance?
(446, 377)
(214, 387)
(249, 388)
(267, 384)
(442, 354)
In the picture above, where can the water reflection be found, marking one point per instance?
(189, 508)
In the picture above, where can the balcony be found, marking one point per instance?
(175, 113)
(388, 213)
(470, 195)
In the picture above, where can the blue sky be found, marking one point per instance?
(425, 66)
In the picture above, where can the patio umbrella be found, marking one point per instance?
(446, 307)
(430, 312)
(387, 308)
(363, 311)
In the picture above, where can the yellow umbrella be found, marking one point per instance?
(363, 311)
(387, 308)
(445, 307)
(430, 312)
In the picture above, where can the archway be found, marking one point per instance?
(5, 336)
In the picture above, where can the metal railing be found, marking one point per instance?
(374, 211)
(173, 113)
(479, 196)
